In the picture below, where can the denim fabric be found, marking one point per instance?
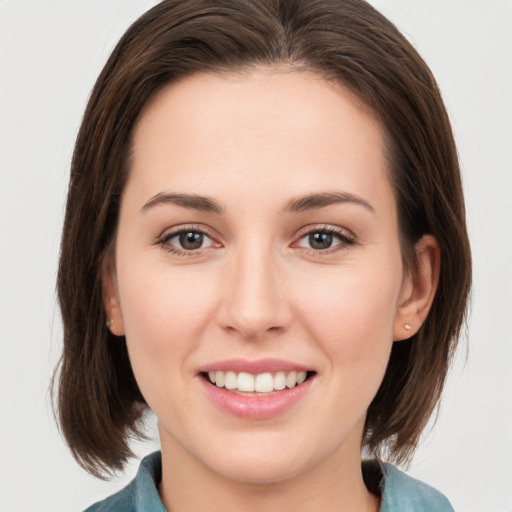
(400, 493)
(141, 495)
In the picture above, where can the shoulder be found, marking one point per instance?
(122, 500)
(141, 494)
(402, 493)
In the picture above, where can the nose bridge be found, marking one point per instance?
(252, 302)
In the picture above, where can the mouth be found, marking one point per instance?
(261, 384)
(256, 390)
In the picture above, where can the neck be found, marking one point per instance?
(332, 485)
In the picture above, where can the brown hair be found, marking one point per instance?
(99, 402)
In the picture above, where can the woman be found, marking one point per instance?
(264, 244)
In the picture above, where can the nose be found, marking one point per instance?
(254, 302)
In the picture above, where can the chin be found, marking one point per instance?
(256, 471)
(266, 459)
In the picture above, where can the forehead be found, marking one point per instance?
(263, 94)
(284, 129)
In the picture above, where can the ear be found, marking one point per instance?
(418, 289)
(111, 298)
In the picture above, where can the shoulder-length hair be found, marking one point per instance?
(347, 41)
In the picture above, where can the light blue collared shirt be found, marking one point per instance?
(400, 492)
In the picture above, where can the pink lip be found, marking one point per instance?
(256, 407)
(253, 367)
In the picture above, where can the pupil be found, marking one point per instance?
(320, 240)
(191, 240)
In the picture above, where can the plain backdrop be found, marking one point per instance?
(50, 54)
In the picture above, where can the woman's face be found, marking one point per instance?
(257, 238)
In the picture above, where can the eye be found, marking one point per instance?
(185, 241)
(320, 241)
(189, 240)
(327, 240)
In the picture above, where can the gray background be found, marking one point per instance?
(50, 54)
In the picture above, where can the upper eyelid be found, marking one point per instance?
(325, 228)
(163, 240)
(347, 239)
(176, 230)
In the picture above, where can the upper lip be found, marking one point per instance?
(254, 367)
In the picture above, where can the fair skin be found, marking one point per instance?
(315, 285)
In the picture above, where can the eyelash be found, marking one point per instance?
(165, 238)
(345, 239)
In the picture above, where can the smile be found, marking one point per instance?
(267, 382)
(255, 390)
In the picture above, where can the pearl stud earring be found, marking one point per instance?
(407, 327)
(109, 323)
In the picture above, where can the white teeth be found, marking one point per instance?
(231, 381)
(219, 379)
(264, 383)
(245, 382)
(261, 383)
(279, 381)
(291, 379)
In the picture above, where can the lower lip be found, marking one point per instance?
(255, 407)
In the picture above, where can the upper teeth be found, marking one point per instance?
(261, 383)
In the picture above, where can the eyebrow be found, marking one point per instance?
(192, 201)
(323, 199)
(313, 201)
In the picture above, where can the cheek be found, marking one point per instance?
(164, 314)
(162, 327)
(159, 298)
(352, 315)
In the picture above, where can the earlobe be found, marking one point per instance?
(418, 290)
(111, 300)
